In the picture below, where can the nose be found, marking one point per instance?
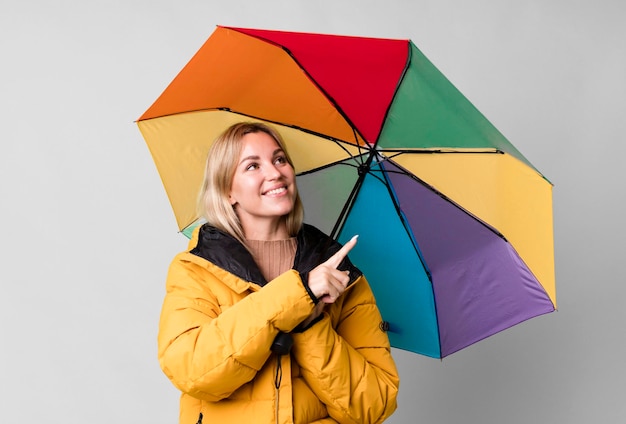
(272, 172)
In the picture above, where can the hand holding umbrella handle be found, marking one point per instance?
(326, 282)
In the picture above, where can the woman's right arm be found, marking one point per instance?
(213, 338)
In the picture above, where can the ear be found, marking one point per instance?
(232, 200)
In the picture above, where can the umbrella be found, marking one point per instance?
(455, 223)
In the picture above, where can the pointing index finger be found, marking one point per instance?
(336, 259)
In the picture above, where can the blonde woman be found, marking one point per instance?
(265, 319)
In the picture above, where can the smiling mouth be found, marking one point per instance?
(276, 191)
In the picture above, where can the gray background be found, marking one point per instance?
(87, 232)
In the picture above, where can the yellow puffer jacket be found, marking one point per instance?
(220, 318)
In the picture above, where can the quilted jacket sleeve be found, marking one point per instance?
(214, 337)
(346, 359)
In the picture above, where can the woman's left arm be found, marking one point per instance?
(346, 359)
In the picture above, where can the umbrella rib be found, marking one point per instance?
(330, 165)
(395, 93)
(340, 143)
(324, 92)
(363, 169)
(402, 218)
(398, 152)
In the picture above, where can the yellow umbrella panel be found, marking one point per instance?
(179, 145)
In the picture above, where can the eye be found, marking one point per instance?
(280, 160)
(252, 166)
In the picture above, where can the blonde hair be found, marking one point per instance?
(221, 163)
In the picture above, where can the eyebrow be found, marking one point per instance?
(256, 157)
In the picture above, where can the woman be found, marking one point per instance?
(265, 319)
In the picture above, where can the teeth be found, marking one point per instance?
(276, 191)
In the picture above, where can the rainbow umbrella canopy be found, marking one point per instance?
(455, 224)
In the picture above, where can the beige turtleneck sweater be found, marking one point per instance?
(273, 257)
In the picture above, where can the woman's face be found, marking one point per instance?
(263, 189)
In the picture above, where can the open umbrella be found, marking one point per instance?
(455, 224)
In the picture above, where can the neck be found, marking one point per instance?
(266, 231)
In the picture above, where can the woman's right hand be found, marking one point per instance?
(326, 282)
